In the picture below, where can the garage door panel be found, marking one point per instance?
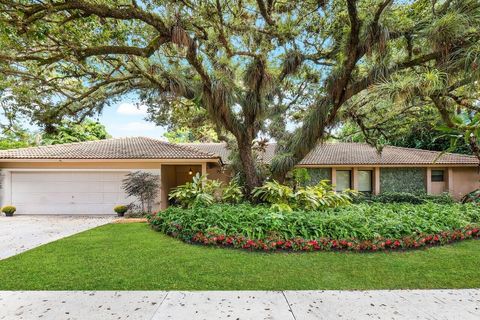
(68, 192)
(112, 186)
(56, 186)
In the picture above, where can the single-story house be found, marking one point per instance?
(86, 177)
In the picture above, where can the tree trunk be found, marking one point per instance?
(252, 179)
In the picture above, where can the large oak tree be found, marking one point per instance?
(287, 69)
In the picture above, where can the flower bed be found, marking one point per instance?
(360, 227)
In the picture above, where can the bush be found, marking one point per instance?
(121, 209)
(284, 198)
(404, 197)
(9, 210)
(358, 224)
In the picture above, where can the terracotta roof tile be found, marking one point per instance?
(356, 154)
(118, 148)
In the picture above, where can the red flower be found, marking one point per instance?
(396, 243)
(388, 242)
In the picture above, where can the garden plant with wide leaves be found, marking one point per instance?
(361, 227)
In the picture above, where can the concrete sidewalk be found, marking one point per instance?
(209, 305)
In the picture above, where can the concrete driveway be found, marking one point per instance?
(22, 233)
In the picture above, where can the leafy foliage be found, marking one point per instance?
(251, 66)
(472, 197)
(232, 192)
(144, 186)
(410, 180)
(362, 221)
(68, 132)
(405, 197)
(203, 191)
(9, 210)
(121, 209)
(284, 198)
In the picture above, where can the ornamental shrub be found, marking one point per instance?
(360, 221)
(286, 199)
(121, 209)
(144, 186)
(9, 210)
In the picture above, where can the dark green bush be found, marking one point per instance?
(361, 221)
(405, 197)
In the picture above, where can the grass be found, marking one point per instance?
(133, 257)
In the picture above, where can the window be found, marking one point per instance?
(437, 175)
(344, 180)
(365, 181)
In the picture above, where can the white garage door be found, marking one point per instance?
(68, 192)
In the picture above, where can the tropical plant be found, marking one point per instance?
(9, 210)
(201, 191)
(144, 186)
(276, 194)
(284, 198)
(322, 196)
(232, 192)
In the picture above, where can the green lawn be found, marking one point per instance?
(131, 256)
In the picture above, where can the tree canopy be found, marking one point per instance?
(287, 69)
(66, 132)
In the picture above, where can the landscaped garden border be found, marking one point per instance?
(395, 227)
(326, 244)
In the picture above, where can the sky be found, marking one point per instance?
(126, 119)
